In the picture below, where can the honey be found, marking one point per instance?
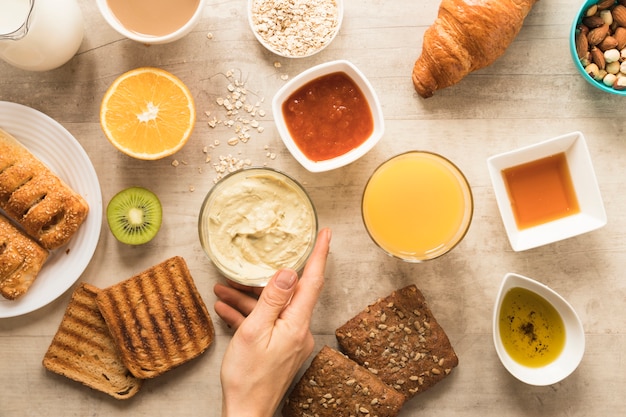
(541, 191)
(531, 329)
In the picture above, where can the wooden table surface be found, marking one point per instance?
(531, 94)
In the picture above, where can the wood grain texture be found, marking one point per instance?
(530, 94)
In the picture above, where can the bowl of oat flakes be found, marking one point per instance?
(295, 28)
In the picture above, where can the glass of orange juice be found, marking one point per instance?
(417, 206)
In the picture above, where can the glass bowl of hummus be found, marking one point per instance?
(256, 221)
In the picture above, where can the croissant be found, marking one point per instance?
(466, 36)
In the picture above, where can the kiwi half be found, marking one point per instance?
(134, 215)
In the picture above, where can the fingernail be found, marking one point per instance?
(329, 234)
(286, 279)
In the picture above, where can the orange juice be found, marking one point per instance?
(417, 206)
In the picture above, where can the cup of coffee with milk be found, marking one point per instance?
(152, 21)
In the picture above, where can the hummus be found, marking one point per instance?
(259, 221)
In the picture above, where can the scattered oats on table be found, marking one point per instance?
(240, 114)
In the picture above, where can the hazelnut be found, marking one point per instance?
(611, 55)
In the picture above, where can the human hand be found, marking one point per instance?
(272, 338)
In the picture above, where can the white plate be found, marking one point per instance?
(62, 153)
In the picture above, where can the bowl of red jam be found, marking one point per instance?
(328, 116)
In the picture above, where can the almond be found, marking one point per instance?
(605, 4)
(597, 57)
(619, 15)
(609, 42)
(593, 22)
(598, 34)
(620, 36)
(582, 45)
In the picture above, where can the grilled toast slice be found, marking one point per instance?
(36, 198)
(83, 350)
(157, 318)
(21, 259)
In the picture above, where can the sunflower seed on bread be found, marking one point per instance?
(334, 385)
(399, 339)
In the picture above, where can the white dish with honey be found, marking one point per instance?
(537, 334)
(547, 192)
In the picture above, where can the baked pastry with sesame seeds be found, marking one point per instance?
(398, 339)
(21, 259)
(33, 196)
(334, 385)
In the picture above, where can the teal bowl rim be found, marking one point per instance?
(572, 48)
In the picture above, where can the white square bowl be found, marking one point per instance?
(592, 215)
(309, 75)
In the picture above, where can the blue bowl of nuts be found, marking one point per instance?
(598, 44)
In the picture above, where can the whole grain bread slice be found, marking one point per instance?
(83, 350)
(157, 318)
(399, 339)
(333, 385)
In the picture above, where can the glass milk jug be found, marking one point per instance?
(39, 35)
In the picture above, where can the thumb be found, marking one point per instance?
(275, 296)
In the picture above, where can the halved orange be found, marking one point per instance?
(148, 113)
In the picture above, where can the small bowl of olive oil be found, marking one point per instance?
(538, 336)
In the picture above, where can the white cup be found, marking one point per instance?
(115, 23)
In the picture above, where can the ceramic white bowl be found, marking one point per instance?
(112, 20)
(592, 214)
(574, 348)
(310, 44)
(309, 75)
